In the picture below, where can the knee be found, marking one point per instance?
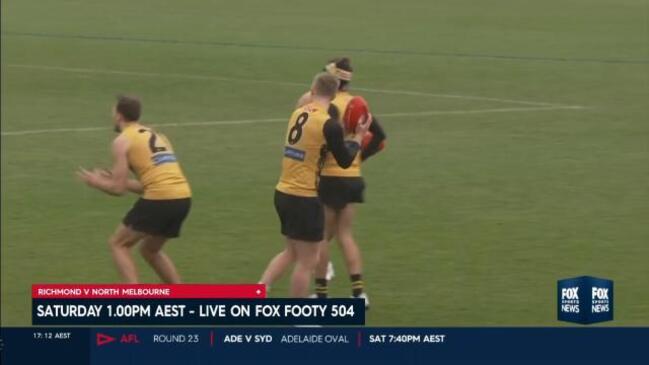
(115, 243)
(306, 264)
(345, 237)
(147, 252)
(311, 262)
(289, 254)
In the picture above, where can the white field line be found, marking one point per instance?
(258, 81)
(275, 120)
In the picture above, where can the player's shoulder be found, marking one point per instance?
(341, 100)
(130, 129)
(121, 143)
(343, 96)
(304, 99)
(312, 109)
(131, 133)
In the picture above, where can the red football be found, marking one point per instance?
(356, 109)
(367, 139)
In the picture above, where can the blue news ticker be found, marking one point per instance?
(362, 345)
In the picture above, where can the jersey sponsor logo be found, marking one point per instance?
(162, 158)
(294, 153)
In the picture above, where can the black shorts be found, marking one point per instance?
(302, 218)
(158, 217)
(338, 191)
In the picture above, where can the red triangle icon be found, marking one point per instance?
(103, 339)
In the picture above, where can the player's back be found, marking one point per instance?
(304, 148)
(152, 159)
(330, 166)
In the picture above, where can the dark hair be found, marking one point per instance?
(129, 107)
(343, 63)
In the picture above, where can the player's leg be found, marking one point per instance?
(302, 224)
(151, 250)
(277, 266)
(162, 220)
(350, 250)
(321, 280)
(120, 244)
(306, 259)
(280, 262)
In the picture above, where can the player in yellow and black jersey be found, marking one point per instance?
(311, 134)
(340, 189)
(165, 193)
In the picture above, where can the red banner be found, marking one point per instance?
(147, 291)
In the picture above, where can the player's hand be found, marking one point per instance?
(103, 172)
(363, 125)
(88, 177)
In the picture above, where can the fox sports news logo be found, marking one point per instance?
(570, 300)
(585, 300)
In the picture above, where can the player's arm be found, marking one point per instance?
(132, 185)
(344, 151)
(304, 99)
(378, 136)
(135, 186)
(116, 182)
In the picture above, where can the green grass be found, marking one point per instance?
(470, 218)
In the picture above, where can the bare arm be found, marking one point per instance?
(304, 99)
(116, 182)
(135, 187)
(132, 185)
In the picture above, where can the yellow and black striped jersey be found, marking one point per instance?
(152, 159)
(310, 134)
(330, 166)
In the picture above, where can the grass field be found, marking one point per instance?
(518, 144)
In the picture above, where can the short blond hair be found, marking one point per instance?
(325, 84)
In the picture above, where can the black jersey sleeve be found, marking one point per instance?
(344, 152)
(378, 137)
(334, 113)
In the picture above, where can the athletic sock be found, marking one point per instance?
(321, 289)
(357, 284)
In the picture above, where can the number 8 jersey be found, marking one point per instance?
(152, 159)
(304, 150)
